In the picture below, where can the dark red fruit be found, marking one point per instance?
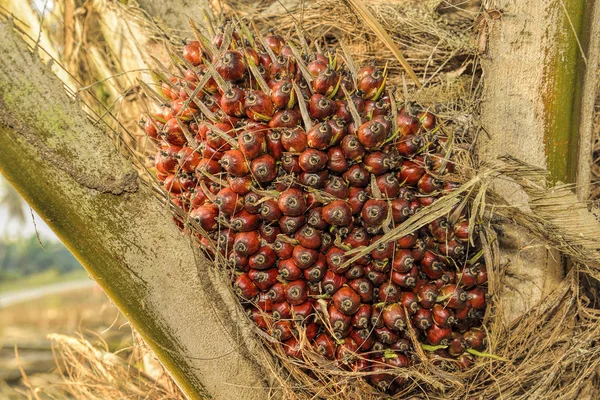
(337, 213)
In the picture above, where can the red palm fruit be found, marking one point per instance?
(338, 130)
(431, 265)
(198, 198)
(166, 159)
(246, 243)
(410, 173)
(180, 110)
(376, 277)
(371, 135)
(193, 52)
(465, 361)
(283, 249)
(461, 230)
(356, 199)
(475, 339)
(332, 282)
(374, 212)
(234, 163)
(295, 292)
(189, 159)
(252, 144)
(224, 240)
(468, 276)
(427, 295)
(336, 187)
(281, 310)
(294, 140)
(409, 301)
(452, 296)
(401, 345)
(340, 322)
(152, 128)
(269, 210)
(316, 272)
(346, 300)
(378, 162)
(386, 335)
(336, 258)
(462, 313)
(292, 202)
(403, 261)
(315, 219)
(283, 95)
(325, 345)
(453, 249)
(288, 270)
(376, 316)
(406, 280)
(304, 257)
(321, 108)
(389, 292)
(362, 317)
(316, 67)
(477, 297)
(244, 287)
(415, 206)
(285, 119)
(258, 317)
(482, 276)
(427, 120)
(289, 225)
(388, 185)
(264, 258)
(369, 80)
(407, 241)
(374, 109)
(316, 180)
(268, 233)
(418, 250)
(422, 319)
(263, 168)
(282, 330)
(410, 145)
(443, 316)
(312, 160)
(209, 166)
(357, 176)
(325, 82)
(336, 162)
(446, 278)
(275, 43)
(172, 133)
(206, 216)
(326, 242)
(436, 335)
(258, 106)
(229, 202)
(352, 148)
(282, 67)
(355, 271)
(231, 65)
(456, 345)
(263, 279)
(320, 136)
(380, 378)
(407, 193)
(293, 348)
(383, 250)
(440, 229)
(304, 313)
(252, 202)
(232, 102)
(357, 237)
(290, 164)
(428, 184)
(274, 144)
(337, 213)
(407, 124)
(394, 317)
(308, 237)
(363, 338)
(240, 184)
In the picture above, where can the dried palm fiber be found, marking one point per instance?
(552, 349)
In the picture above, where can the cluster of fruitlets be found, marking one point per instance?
(291, 164)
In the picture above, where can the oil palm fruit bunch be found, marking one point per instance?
(295, 167)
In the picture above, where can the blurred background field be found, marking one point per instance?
(44, 290)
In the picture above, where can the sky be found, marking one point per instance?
(12, 229)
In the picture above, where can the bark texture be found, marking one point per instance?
(69, 172)
(531, 111)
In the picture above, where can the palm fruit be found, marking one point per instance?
(284, 167)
